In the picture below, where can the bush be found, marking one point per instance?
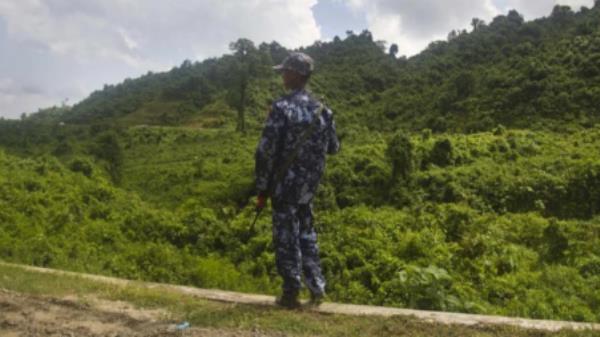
(442, 153)
(82, 166)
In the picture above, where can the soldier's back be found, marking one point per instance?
(303, 114)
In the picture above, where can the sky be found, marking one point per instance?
(55, 52)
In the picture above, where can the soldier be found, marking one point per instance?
(290, 159)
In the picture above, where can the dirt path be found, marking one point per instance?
(336, 308)
(29, 316)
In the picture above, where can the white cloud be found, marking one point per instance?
(414, 24)
(74, 34)
(15, 99)
(67, 48)
(535, 9)
(13, 105)
(6, 84)
(93, 38)
(131, 31)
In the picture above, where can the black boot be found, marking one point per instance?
(288, 300)
(316, 299)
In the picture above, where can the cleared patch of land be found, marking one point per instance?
(36, 303)
(29, 315)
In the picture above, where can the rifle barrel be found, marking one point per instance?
(258, 211)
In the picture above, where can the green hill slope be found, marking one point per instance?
(431, 204)
(506, 72)
(511, 72)
(499, 243)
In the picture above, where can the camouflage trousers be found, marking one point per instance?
(296, 248)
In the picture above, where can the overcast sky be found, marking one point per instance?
(54, 51)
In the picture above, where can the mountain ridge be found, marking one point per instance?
(506, 72)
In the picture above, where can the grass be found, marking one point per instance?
(202, 313)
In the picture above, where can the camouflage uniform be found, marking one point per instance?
(294, 236)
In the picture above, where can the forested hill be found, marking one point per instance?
(468, 180)
(506, 72)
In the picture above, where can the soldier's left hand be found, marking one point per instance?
(261, 201)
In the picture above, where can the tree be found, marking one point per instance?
(393, 50)
(366, 34)
(561, 14)
(452, 35)
(108, 148)
(477, 24)
(243, 66)
(186, 64)
(464, 84)
(442, 153)
(515, 17)
(276, 51)
(400, 153)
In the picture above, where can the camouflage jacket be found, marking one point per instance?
(290, 117)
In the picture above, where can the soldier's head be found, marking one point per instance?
(295, 70)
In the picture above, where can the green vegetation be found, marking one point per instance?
(201, 313)
(496, 230)
(510, 72)
(469, 177)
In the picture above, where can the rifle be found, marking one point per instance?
(258, 211)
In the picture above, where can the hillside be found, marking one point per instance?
(506, 72)
(469, 177)
(497, 250)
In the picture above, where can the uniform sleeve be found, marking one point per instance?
(269, 148)
(333, 145)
